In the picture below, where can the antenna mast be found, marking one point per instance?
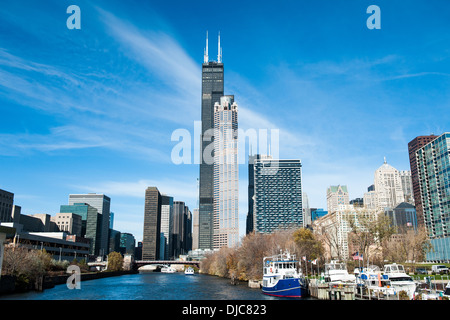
(205, 56)
(219, 51)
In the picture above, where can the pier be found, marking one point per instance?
(324, 291)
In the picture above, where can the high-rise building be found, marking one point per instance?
(6, 206)
(103, 204)
(166, 224)
(251, 189)
(433, 172)
(307, 218)
(195, 227)
(152, 225)
(187, 245)
(226, 174)
(388, 186)
(278, 195)
(407, 187)
(335, 228)
(91, 223)
(127, 243)
(336, 196)
(182, 229)
(413, 146)
(212, 90)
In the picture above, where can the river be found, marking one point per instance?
(150, 286)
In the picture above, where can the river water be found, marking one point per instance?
(150, 286)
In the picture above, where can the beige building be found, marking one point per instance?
(336, 197)
(334, 229)
(68, 222)
(226, 174)
(388, 186)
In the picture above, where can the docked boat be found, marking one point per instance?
(446, 292)
(168, 269)
(281, 277)
(336, 274)
(399, 280)
(189, 271)
(371, 281)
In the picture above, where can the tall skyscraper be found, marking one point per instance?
(102, 203)
(413, 146)
(405, 177)
(336, 196)
(433, 172)
(182, 229)
(278, 195)
(195, 229)
(226, 174)
(251, 193)
(251, 190)
(388, 186)
(212, 90)
(166, 225)
(152, 224)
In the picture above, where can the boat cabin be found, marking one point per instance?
(394, 268)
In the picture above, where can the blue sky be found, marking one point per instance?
(93, 110)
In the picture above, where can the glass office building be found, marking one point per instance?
(102, 203)
(433, 169)
(413, 146)
(277, 195)
(226, 174)
(91, 223)
(166, 226)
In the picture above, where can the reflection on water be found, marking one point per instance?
(150, 286)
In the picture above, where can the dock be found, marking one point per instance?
(324, 291)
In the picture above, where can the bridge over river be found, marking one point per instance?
(140, 263)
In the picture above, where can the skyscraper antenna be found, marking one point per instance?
(205, 56)
(219, 51)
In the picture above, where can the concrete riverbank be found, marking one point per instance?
(9, 284)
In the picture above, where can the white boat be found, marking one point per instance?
(189, 271)
(168, 269)
(400, 281)
(446, 292)
(371, 280)
(336, 274)
(281, 277)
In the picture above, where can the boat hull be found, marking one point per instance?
(289, 288)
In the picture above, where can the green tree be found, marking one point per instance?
(115, 261)
(307, 244)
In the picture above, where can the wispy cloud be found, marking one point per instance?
(183, 190)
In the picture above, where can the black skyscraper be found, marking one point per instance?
(212, 90)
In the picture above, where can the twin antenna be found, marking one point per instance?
(219, 51)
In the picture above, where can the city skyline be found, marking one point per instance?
(93, 110)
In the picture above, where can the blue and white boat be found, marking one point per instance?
(281, 277)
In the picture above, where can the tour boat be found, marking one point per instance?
(336, 274)
(281, 277)
(400, 281)
(167, 269)
(189, 271)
